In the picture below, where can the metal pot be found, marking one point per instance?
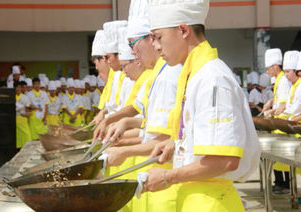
(285, 146)
(78, 196)
(298, 152)
(51, 142)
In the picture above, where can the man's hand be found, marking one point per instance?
(116, 131)
(165, 149)
(100, 130)
(117, 156)
(157, 180)
(100, 116)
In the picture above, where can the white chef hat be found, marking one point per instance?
(70, 83)
(299, 63)
(42, 84)
(63, 81)
(124, 50)
(273, 57)
(249, 79)
(93, 81)
(99, 44)
(264, 80)
(111, 32)
(58, 84)
(52, 86)
(82, 84)
(41, 76)
(290, 60)
(273, 80)
(29, 82)
(171, 13)
(16, 70)
(46, 81)
(87, 80)
(77, 83)
(138, 24)
(254, 77)
(100, 82)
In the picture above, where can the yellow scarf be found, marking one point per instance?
(106, 94)
(295, 86)
(155, 72)
(18, 97)
(197, 58)
(52, 99)
(137, 85)
(37, 93)
(276, 86)
(71, 96)
(120, 81)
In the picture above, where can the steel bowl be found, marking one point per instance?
(78, 196)
(285, 146)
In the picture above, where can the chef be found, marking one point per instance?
(255, 96)
(216, 142)
(14, 77)
(273, 63)
(22, 112)
(54, 106)
(72, 105)
(39, 105)
(265, 85)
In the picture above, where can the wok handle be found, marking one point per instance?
(94, 143)
(100, 151)
(83, 128)
(129, 170)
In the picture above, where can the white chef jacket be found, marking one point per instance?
(218, 121)
(55, 106)
(38, 101)
(72, 104)
(255, 96)
(111, 105)
(282, 91)
(267, 94)
(96, 98)
(126, 89)
(161, 101)
(21, 105)
(293, 106)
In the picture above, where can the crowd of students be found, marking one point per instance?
(41, 102)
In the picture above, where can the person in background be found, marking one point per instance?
(54, 107)
(273, 64)
(23, 73)
(39, 108)
(23, 87)
(14, 77)
(29, 84)
(72, 105)
(96, 96)
(22, 111)
(265, 87)
(43, 86)
(255, 95)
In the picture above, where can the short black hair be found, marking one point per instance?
(198, 29)
(23, 67)
(98, 57)
(23, 83)
(35, 80)
(16, 84)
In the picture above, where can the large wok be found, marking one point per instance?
(79, 134)
(264, 124)
(284, 125)
(78, 196)
(297, 129)
(52, 142)
(78, 149)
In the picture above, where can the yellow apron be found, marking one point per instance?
(77, 121)
(37, 126)
(216, 195)
(53, 120)
(23, 131)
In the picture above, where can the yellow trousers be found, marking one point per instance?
(53, 120)
(76, 123)
(216, 195)
(23, 131)
(37, 126)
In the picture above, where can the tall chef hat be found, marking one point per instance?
(29, 82)
(273, 57)
(299, 63)
(171, 13)
(77, 83)
(63, 81)
(99, 44)
(58, 84)
(52, 86)
(16, 70)
(124, 50)
(138, 24)
(264, 80)
(42, 84)
(290, 60)
(111, 32)
(70, 83)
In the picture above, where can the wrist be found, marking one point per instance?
(171, 176)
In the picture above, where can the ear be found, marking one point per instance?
(185, 30)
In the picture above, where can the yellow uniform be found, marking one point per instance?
(23, 131)
(38, 99)
(72, 103)
(54, 108)
(215, 120)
